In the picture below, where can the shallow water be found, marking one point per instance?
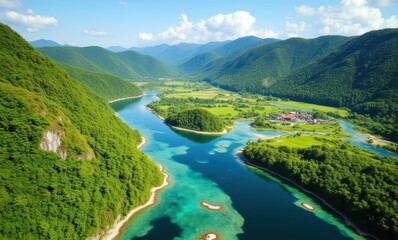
(205, 168)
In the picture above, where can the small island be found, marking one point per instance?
(198, 121)
(307, 206)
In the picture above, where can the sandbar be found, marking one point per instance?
(210, 206)
(308, 206)
(114, 231)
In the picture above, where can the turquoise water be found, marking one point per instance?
(204, 168)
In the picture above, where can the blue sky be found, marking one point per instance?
(148, 22)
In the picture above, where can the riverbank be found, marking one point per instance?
(345, 219)
(114, 231)
(199, 132)
(142, 143)
(125, 98)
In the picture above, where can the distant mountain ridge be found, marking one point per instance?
(127, 65)
(182, 53)
(262, 66)
(44, 43)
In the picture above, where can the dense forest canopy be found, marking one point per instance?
(103, 175)
(358, 183)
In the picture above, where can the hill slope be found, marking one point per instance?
(127, 65)
(107, 86)
(68, 166)
(262, 66)
(361, 75)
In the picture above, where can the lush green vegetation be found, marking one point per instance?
(262, 66)
(360, 75)
(43, 196)
(196, 119)
(358, 183)
(107, 86)
(178, 96)
(127, 65)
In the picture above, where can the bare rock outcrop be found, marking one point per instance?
(52, 141)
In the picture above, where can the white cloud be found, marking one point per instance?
(305, 10)
(349, 17)
(216, 28)
(123, 2)
(293, 29)
(146, 36)
(31, 21)
(95, 33)
(10, 4)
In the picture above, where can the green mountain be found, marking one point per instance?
(197, 63)
(242, 45)
(361, 75)
(262, 66)
(127, 65)
(147, 66)
(107, 86)
(68, 166)
(210, 55)
(196, 119)
(173, 55)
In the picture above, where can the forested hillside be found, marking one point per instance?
(107, 86)
(262, 66)
(357, 183)
(127, 65)
(68, 165)
(361, 75)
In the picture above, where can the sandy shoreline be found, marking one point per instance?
(376, 140)
(113, 232)
(125, 98)
(347, 222)
(199, 132)
(142, 143)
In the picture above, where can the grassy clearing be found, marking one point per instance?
(302, 141)
(339, 111)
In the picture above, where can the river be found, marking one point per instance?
(205, 168)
